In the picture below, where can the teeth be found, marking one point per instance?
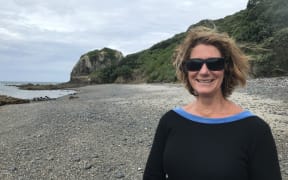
(205, 81)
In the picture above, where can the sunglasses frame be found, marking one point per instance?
(195, 64)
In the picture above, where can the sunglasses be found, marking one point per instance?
(195, 64)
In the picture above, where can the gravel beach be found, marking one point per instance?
(105, 131)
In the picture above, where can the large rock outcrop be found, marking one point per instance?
(90, 65)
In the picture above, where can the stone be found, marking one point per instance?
(94, 61)
(119, 175)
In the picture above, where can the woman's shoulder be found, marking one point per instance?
(169, 113)
(258, 124)
(169, 117)
(254, 126)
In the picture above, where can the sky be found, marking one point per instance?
(42, 40)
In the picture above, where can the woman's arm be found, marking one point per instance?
(154, 166)
(264, 160)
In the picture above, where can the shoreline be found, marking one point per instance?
(275, 88)
(106, 131)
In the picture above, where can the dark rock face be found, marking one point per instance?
(45, 98)
(4, 100)
(92, 62)
(253, 3)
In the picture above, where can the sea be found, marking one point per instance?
(8, 88)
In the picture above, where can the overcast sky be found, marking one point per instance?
(41, 40)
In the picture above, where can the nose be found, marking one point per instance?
(204, 69)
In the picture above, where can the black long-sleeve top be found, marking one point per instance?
(189, 147)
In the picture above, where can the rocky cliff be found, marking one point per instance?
(91, 66)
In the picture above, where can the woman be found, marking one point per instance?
(211, 138)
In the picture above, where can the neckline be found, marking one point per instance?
(206, 120)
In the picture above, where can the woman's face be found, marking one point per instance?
(206, 82)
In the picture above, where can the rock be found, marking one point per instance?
(88, 166)
(13, 168)
(11, 100)
(45, 98)
(50, 158)
(119, 175)
(95, 156)
(92, 62)
(76, 159)
(73, 97)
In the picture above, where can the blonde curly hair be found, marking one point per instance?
(236, 62)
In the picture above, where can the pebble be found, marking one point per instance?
(119, 175)
(88, 166)
(50, 158)
(13, 168)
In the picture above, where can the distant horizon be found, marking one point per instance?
(33, 82)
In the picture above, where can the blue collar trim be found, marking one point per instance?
(206, 120)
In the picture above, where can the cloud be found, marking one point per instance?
(47, 37)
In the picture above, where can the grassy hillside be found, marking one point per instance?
(261, 30)
(153, 64)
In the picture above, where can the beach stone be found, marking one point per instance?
(50, 158)
(119, 175)
(13, 168)
(88, 166)
(95, 156)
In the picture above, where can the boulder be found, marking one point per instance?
(92, 62)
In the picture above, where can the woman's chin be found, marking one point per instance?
(208, 93)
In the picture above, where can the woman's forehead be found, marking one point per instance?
(205, 51)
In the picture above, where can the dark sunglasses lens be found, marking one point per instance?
(215, 64)
(193, 65)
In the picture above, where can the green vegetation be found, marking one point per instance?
(153, 64)
(105, 62)
(261, 31)
(104, 75)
